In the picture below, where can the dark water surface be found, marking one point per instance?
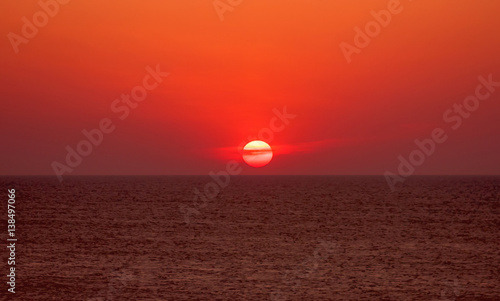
(260, 238)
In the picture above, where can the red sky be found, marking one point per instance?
(226, 77)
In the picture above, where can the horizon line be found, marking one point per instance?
(264, 175)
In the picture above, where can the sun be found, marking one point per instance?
(257, 153)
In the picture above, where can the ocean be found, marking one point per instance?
(258, 238)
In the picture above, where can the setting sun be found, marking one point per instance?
(257, 153)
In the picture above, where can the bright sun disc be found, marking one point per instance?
(257, 153)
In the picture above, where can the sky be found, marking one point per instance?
(235, 68)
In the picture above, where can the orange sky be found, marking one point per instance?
(226, 77)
